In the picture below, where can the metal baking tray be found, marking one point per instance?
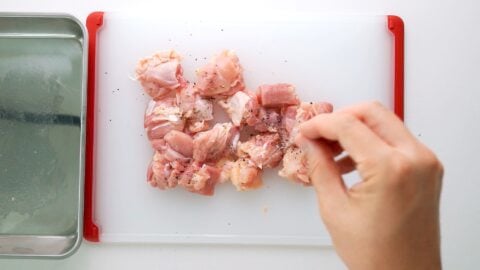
(43, 65)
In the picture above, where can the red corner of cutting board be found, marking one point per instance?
(396, 26)
(90, 229)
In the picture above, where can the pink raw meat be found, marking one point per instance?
(189, 152)
(305, 111)
(200, 179)
(269, 120)
(160, 74)
(221, 77)
(289, 119)
(161, 117)
(242, 107)
(264, 150)
(277, 95)
(295, 166)
(213, 144)
(180, 142)
(196, 110)
(245, 175)
(163, 173)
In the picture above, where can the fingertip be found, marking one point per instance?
(308, 129)
(315, 127)
(301, 127)
(321, 167)
(299, 140)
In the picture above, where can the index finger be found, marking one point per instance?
(353, 135)
(382, 121)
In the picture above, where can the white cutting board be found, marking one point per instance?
(341, 59)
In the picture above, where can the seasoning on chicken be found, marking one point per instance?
(242, 107)
(225, 166)
(245, 175)
(197, 110)
(221, 77)
(200, 179)
(277, 95)
(163, 173)
(192, 154)
(160, 74)
(193, 176)
(289, 119)
(213, 144)
(269, 120)
(295, 166)
(264, 150)
(161, 117)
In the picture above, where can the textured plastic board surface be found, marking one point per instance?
(343, 60)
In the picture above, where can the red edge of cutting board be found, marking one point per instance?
(91, 230)
(396, 26)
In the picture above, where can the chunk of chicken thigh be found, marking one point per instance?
(160, 74)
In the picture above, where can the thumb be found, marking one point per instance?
(322, 169)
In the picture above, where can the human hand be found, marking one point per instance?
(390, 219)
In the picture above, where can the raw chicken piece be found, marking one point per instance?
(305, 111)
(213, 144)
(160, 74)
(289, 120)
(193, 106)
(192, 154)
(180, 142)
(245, 175)
(187, 174)
(200, 179)
(193, 176)
(264, 150)
(295, 166)
(222, 77)
(269, 120)
(163, 173)
(197, 110)
(242, 107)
(277, 95)
(161, 117)
(185, 98)
(294, 160)
(225, 166)
(197, 126)
(167, 151)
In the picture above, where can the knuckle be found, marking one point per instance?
(422, 166)
(430, 162)
(347, 121)
(400, 165)
(346, 117)
(375, 106)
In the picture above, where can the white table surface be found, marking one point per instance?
(442, 69)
